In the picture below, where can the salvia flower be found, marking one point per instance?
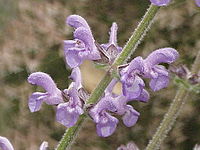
(197, 2)
(52, 95)
(166, 2)
(196, 147)
(83, 46)
(111, 49)
(160, 2)
(129, 146)
(6, 145)
(69, 112)
(157, 73)
(105, 122)
(44, 146)
(133, 84)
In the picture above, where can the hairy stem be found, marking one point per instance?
(137, 35)
(173, 112)
(129, 48)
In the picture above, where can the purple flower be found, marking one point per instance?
(132, 83)
(69, 112)
(157, 73)
(160, 2)
(105, 123)
(52, 95)
(129, 146)
(197, 2)
(44, 146)
(112, 39)
(5, 144)
(110, 50)
(76, 78)
(83, 46)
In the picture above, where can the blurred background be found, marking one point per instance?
(31, 39)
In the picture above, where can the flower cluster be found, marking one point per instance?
(132, 89)
(166, 2)
(70, 102)
(6, 145)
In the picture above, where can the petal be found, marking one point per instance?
(35, 101)
(160, 70)
(131, 116)
(144, 96)
(163, 55)
(43, 80)
(90, 51)
(159, 83)
(44, 146)
(5, 144)
(72, 58)
(73, 94)
(84, 35)
(76, 77)
(107, 125)
(135, 66)
(110, 87)
(67, 115)
(134, 90)
(160, 2)
(113, 34)
(197, 2)
(77, 21)
(106, 103)
(122, 147)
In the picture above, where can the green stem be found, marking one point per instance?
(70, 134)
(173, 112)
(137, 35)
(129, 48)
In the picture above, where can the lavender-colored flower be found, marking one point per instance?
(110, 50)
(69, 112)
(44, 146)
(52, 95)
(112, 39)
(132, 83)
(5, 144)
(197, 2)
(76, 78)
(158, 73)
(160, 2)
(83, 46)
(129, 146)
(105, 123)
